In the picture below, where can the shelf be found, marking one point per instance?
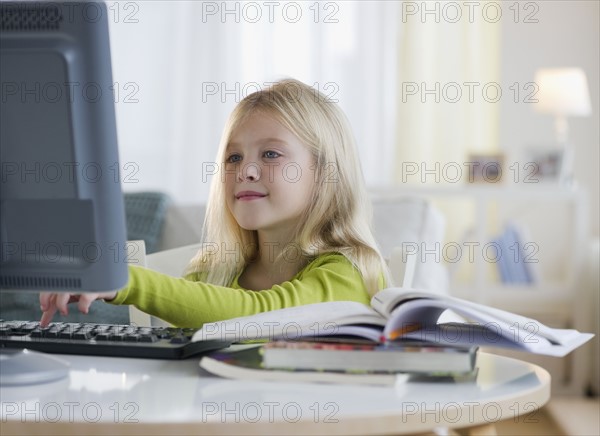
(549, 290)
(557, 217)
(546, 191)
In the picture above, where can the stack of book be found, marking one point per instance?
(343, 362)
(402, 335)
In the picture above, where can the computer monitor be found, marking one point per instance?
(62, 222)
(62, 219)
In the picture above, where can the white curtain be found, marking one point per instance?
(448, 84)
(448, 101)
(180, 68)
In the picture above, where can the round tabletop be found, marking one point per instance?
(145, 396)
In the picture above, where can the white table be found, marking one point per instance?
(137, 396)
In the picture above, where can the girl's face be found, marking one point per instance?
(269, 175)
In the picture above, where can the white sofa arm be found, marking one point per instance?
(411, 227)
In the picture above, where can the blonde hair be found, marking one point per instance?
(338, 218)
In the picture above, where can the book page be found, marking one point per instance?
(422, 315)
(319, 319)
(493, 327)
(387, 300)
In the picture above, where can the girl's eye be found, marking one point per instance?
(271, 154)
(233, 158)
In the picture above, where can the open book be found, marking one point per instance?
(402, 315)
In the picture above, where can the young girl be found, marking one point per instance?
(287, 222)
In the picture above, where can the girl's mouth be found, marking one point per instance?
(249, 195)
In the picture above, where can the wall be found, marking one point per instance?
(184, 69)
(566, 34)
(164, 116)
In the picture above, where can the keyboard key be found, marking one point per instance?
(82, 334)
(148, 338)
(36, 333)
(52, 333)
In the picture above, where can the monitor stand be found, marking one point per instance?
(20, 367)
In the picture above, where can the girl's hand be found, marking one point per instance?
(51, 302)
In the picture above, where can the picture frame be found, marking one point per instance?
(545, 164)
(485, 167)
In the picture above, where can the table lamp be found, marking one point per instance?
(563, 92)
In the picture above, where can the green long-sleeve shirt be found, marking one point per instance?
(187, 302)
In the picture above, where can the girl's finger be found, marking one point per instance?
(47, 317)
(50, 310)
(45, 298)
(85, 301)
(62, 301)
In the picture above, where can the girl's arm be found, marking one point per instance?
(186, 303)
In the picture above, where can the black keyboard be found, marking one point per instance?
(105, 339)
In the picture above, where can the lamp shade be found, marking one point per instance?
(563, 92)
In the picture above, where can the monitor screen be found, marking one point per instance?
(62, 220)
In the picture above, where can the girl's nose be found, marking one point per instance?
(249, 172)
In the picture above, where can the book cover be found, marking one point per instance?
(515, 254)
(501, 260)
(394, 357)
(247, 363)
(514, 264)
(527, 252)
